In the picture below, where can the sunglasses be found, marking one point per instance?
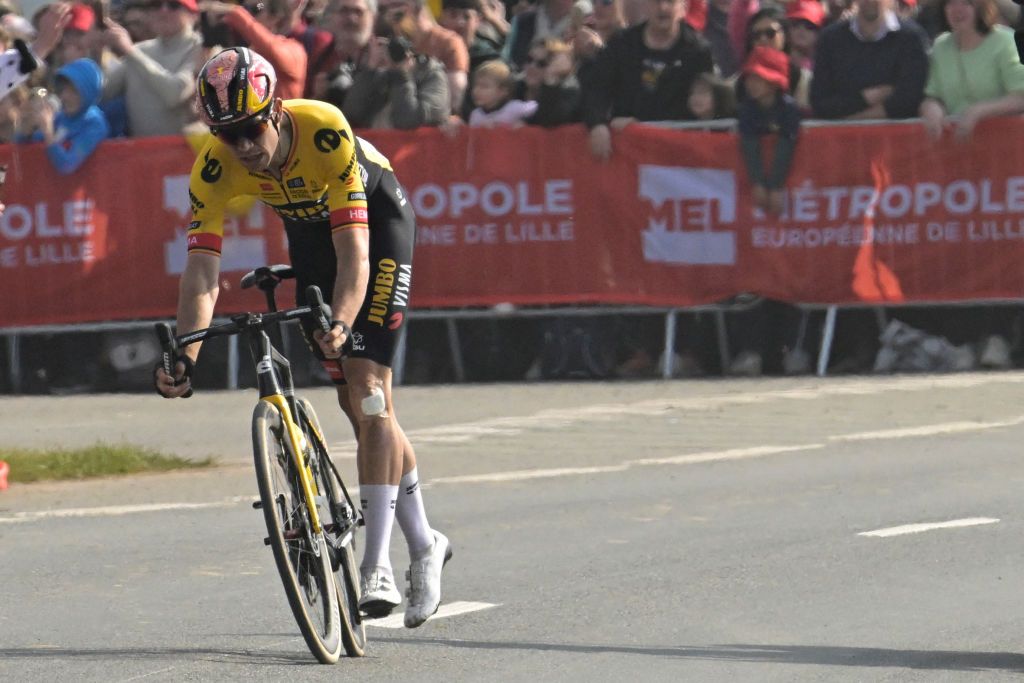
(540, 63)
(251, 131)
(766, 33)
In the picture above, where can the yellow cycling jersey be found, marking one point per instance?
(322, 180)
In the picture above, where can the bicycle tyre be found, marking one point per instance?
(353, 630)
(302, 559)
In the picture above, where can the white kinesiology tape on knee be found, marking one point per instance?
(374, 405)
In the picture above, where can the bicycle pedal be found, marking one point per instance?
(257, 505)
(266, 540)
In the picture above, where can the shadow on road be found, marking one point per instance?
(822, 655)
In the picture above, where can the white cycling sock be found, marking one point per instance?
(412, 516)
(378, 502)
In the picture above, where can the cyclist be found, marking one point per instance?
(350, 231)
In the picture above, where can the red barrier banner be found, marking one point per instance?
(527, 216)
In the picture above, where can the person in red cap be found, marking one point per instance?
(77, 41)
(767, 109)
(804, 18)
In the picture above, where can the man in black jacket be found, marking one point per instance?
(872, 66)
(644, 74)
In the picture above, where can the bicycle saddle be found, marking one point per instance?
(267, 277)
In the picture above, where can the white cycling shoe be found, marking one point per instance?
(379, 593)
(424, 577)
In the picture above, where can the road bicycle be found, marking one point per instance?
(310, 516)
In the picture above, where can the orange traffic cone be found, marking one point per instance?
(4, 469)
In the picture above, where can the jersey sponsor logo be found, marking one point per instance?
(296, 182)
(357, 342)
(327, 140)
(353, 214)
(267, 187)
(194, 201)
(346, 174)
(316, 212)
(389, 289)
(195, 225)
(212, 171)
(357, 196)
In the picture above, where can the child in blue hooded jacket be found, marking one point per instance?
(73, 133)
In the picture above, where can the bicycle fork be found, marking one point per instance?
(296, 439)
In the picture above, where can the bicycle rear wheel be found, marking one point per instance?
(343, 536)
(302, 557)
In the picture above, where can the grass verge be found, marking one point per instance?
(99, 460)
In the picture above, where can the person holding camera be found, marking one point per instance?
(264, 25)
(412, 19)
(350, 23)
(394, 87)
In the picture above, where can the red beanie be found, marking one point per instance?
(770, 64)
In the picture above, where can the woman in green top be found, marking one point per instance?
(974, 71)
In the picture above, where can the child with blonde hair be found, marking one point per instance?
(493, 85)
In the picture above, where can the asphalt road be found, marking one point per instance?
(666, 531)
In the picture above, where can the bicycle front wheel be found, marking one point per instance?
(301, 555)
(353, 630)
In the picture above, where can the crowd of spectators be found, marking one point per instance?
(605, 63)
(127, 67)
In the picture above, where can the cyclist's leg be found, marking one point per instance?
(379, 324)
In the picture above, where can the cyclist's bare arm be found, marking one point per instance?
(197, 294)
(352, 247)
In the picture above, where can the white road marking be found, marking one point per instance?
(927, 430)
(449, 610)
(689, 459)
(559, 418)
(116, 510)
(552, 419)
(918, 528)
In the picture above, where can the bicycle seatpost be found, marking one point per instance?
(267, 286)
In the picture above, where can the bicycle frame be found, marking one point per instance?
(274, 379)
(273, 374)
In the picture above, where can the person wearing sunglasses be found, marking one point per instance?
(264, 25)
(156, 77)
(871, 66)
(350, 230)
(767, 28)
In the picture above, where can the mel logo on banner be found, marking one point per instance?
(689, 203)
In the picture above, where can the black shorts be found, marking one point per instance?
(392, 237)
